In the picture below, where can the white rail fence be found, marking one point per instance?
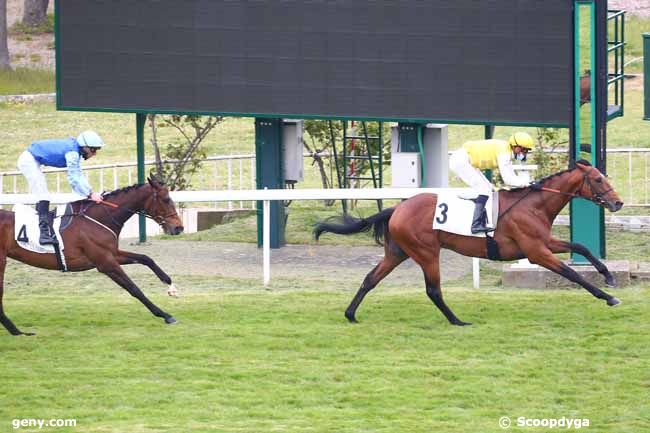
(266, 196)
(628, 167)
(229, 172)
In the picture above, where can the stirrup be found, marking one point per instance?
(482, 229)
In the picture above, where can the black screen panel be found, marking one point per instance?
(489, 61)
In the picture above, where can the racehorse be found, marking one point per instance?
(523, 231)
(91, 240)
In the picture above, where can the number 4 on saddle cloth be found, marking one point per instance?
(26, 231)
(454, 213)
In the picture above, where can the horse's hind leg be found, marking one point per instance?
(392, 258)
(6, 322)
(429, 260)
(116, 274)
(559, 246)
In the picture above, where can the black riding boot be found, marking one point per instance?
(480, 218)
(43, 209)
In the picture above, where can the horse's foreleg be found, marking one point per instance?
(390, 261)
(6, 322)
(559, 246)
(115, 273)
(546, 259)
(128, 258)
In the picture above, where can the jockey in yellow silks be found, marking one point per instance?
(474, 156)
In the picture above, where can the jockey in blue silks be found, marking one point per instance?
(59, 153)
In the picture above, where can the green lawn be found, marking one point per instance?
(23, 81)
(245, 359)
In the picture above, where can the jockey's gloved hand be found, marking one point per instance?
(96, 197)
(536, 186)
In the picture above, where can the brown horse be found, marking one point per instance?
(523, 230)
(91, 240)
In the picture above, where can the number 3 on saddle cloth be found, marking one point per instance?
(454, 213)
(26, 231)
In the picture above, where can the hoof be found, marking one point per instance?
(27, 334)
(351, 318)
(611, 281)
(461, 323)
(613, 302)
(170, 320)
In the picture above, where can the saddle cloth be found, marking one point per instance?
(26, 230)
(454, 213)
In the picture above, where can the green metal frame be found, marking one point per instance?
(587, 219)
(140, 120)
(646, 75)
(617, 78)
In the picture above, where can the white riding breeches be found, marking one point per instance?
(460, 164)
(31, 169)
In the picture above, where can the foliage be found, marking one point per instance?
(179, 159)
(21, 29)
(321, 136)
(548, 162)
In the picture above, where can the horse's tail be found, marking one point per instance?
(347, 225)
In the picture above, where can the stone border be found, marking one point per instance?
(49, 97)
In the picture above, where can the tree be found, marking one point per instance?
(4, 48)
(35, 12)
(182, 157)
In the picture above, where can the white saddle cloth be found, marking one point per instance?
(26, 231)
(454, 214)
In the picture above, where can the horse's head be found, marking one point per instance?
(161, 208)
(596, 187)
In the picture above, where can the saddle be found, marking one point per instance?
(26, 231)
(454, 213)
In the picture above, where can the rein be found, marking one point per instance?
(597, 198)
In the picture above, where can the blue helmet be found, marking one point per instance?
(90, 139)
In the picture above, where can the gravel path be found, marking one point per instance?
(241, 260)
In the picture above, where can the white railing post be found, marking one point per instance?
(241, 181)
(230, 181)
(266, 240)
(253, 183)
(629, 174)
(476, 272)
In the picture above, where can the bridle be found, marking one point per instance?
(158, 219)
(596, 197)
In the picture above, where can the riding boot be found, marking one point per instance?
(43, 209)
(480, 218)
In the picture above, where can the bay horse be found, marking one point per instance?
(91, 240)
(523, 231)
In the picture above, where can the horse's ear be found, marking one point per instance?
(584, 162)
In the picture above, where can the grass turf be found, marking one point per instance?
(286, 360)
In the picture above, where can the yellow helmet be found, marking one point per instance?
(522, 139)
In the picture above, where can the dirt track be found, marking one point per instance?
(242, 260)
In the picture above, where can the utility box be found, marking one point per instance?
(406, 160)
(292, 142)
(436, 154)
(406, 169)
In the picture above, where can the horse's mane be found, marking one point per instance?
(551, 176)
(121, 190)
